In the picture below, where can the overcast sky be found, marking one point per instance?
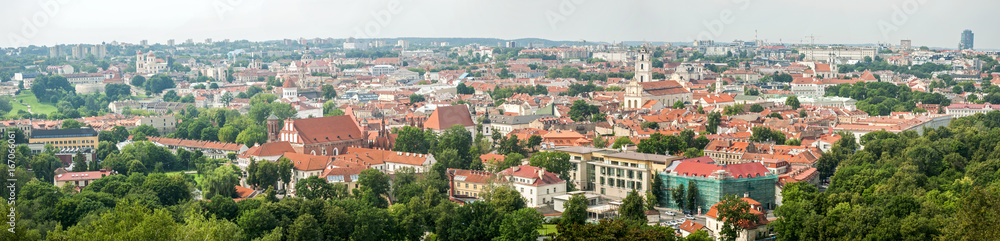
(936, 23)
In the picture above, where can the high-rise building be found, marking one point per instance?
(967, 40)
(144, 42)
(170, 42)
(905, 44)
(55, 51)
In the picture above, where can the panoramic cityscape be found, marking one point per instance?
(500, 120)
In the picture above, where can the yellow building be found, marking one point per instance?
(467, 183)
(66, 138)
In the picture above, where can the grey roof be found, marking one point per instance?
(578, 149)
(515, 120)
(57, 133)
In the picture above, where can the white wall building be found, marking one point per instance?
(537, 186)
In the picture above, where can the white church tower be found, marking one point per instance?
(643, 66)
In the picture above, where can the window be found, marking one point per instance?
(602, 180)
(603, 171)
(638, 186)
(466, 185)
(620, 172)
(602, 190)
(631, 174)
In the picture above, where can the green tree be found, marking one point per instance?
(197, 227)
(633, 208)
(329, 92)
(581, 111)
(44, 166)
(147, 130)
(616, 229)
(735, 213)
(413, 140)
(415, 98)
(221, 181)
(555, 162)
(678, 195)
(376, 183)
(520, 225)
(656, 187)
(679, 105)
(504, 198)
(285, 171)
(692, 196)
(79, 162)
(127, 221)
(138, 81)
(714, 119)
(306, 227)
(621, 141)
(575, 212)
(792, 101)
(71, 124)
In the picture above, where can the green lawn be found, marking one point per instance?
(28, 98)
(547, 229)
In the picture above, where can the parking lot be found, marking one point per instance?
(674, 219)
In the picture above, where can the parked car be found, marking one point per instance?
(689, 216)
(671, 213)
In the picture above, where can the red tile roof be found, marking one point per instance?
(306, 162)
(742, 170)
(532, 173)
(448, 116)
(80, 176)
(233, 147)
(269, 149)
(470, 175)
(327, 129)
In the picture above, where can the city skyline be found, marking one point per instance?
(51, 22)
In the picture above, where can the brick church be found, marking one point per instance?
(328, 136)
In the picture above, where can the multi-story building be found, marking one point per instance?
(537, 186)
(714, 181)
(621, 172)
(582, 174)
(66, 138)
(305, 165)
(852, 53)
(87, 78)
(79, 179)
(967, 40)
(959, 110)
(379, 70)
(393, 161)
(467, 183)
(165, 124)
(505, 123)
